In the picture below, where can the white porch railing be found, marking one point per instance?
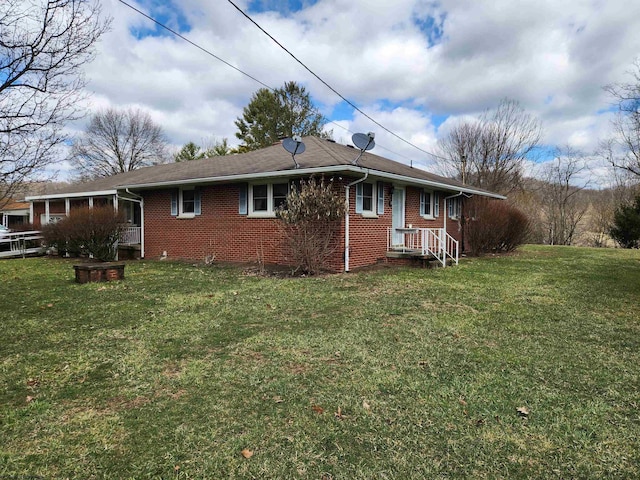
(130, 236)
(19, 244)
(434, 242)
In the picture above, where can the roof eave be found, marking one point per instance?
(315, 170)
(54, 196)
(273, 174)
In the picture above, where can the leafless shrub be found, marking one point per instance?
(494, 226)
(310, 223)
(92, 232)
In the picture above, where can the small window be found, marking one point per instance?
(455, 207)
(426, 204)
(185, 202)
(280, 192)
(260, 198)
(266, 198)
(367, 197)
(188, 202)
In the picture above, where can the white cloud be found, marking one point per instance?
(553, 57)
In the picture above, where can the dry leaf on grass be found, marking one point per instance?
(338, 414)
(246, 453)
(366, 406)
(318, 409)
(523, 411)
(30, 398)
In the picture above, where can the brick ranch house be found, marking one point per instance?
(222, 208)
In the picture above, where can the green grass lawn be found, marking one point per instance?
(389, 374)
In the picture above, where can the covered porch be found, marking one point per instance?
(14, 215)
(47, 209)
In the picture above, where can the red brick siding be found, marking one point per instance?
(220, 232)
(368, 236)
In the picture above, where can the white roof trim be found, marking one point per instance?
(310, 171)
(275, 174)
(98, 193)
(238, 177)
(15, 212)
(431, 183)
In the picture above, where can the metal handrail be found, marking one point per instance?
(431, 241)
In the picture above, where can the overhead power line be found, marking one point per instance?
(355, 107)
(195, 44)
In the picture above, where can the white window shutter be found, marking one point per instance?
(174, 203)
(242, 202)
(197, 204)
(358, 197)
(380, 198)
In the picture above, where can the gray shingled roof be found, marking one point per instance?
(319, 153)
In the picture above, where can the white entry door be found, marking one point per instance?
(397, 215)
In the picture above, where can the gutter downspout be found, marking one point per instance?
(346, 221)
(141, 202)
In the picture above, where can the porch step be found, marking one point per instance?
(416, 256)
(409, 254)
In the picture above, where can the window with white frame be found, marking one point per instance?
(454, 207)
(426, 204)
(185, 202)
(365, 198)
(280, 192)
(265, 198)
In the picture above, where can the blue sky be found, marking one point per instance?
(416, 66)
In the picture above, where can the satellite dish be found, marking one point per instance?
(363, 142)
(294, 146)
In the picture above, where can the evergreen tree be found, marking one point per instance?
(626, 225)
(190, 151)
(271, 116)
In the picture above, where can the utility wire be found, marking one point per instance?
(195, 44)
(160, 24)
(326, 84)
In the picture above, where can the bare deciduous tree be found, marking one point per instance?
(43, 46)
(118, 141)
(623, 150)
(562, 206)
(490, 152)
